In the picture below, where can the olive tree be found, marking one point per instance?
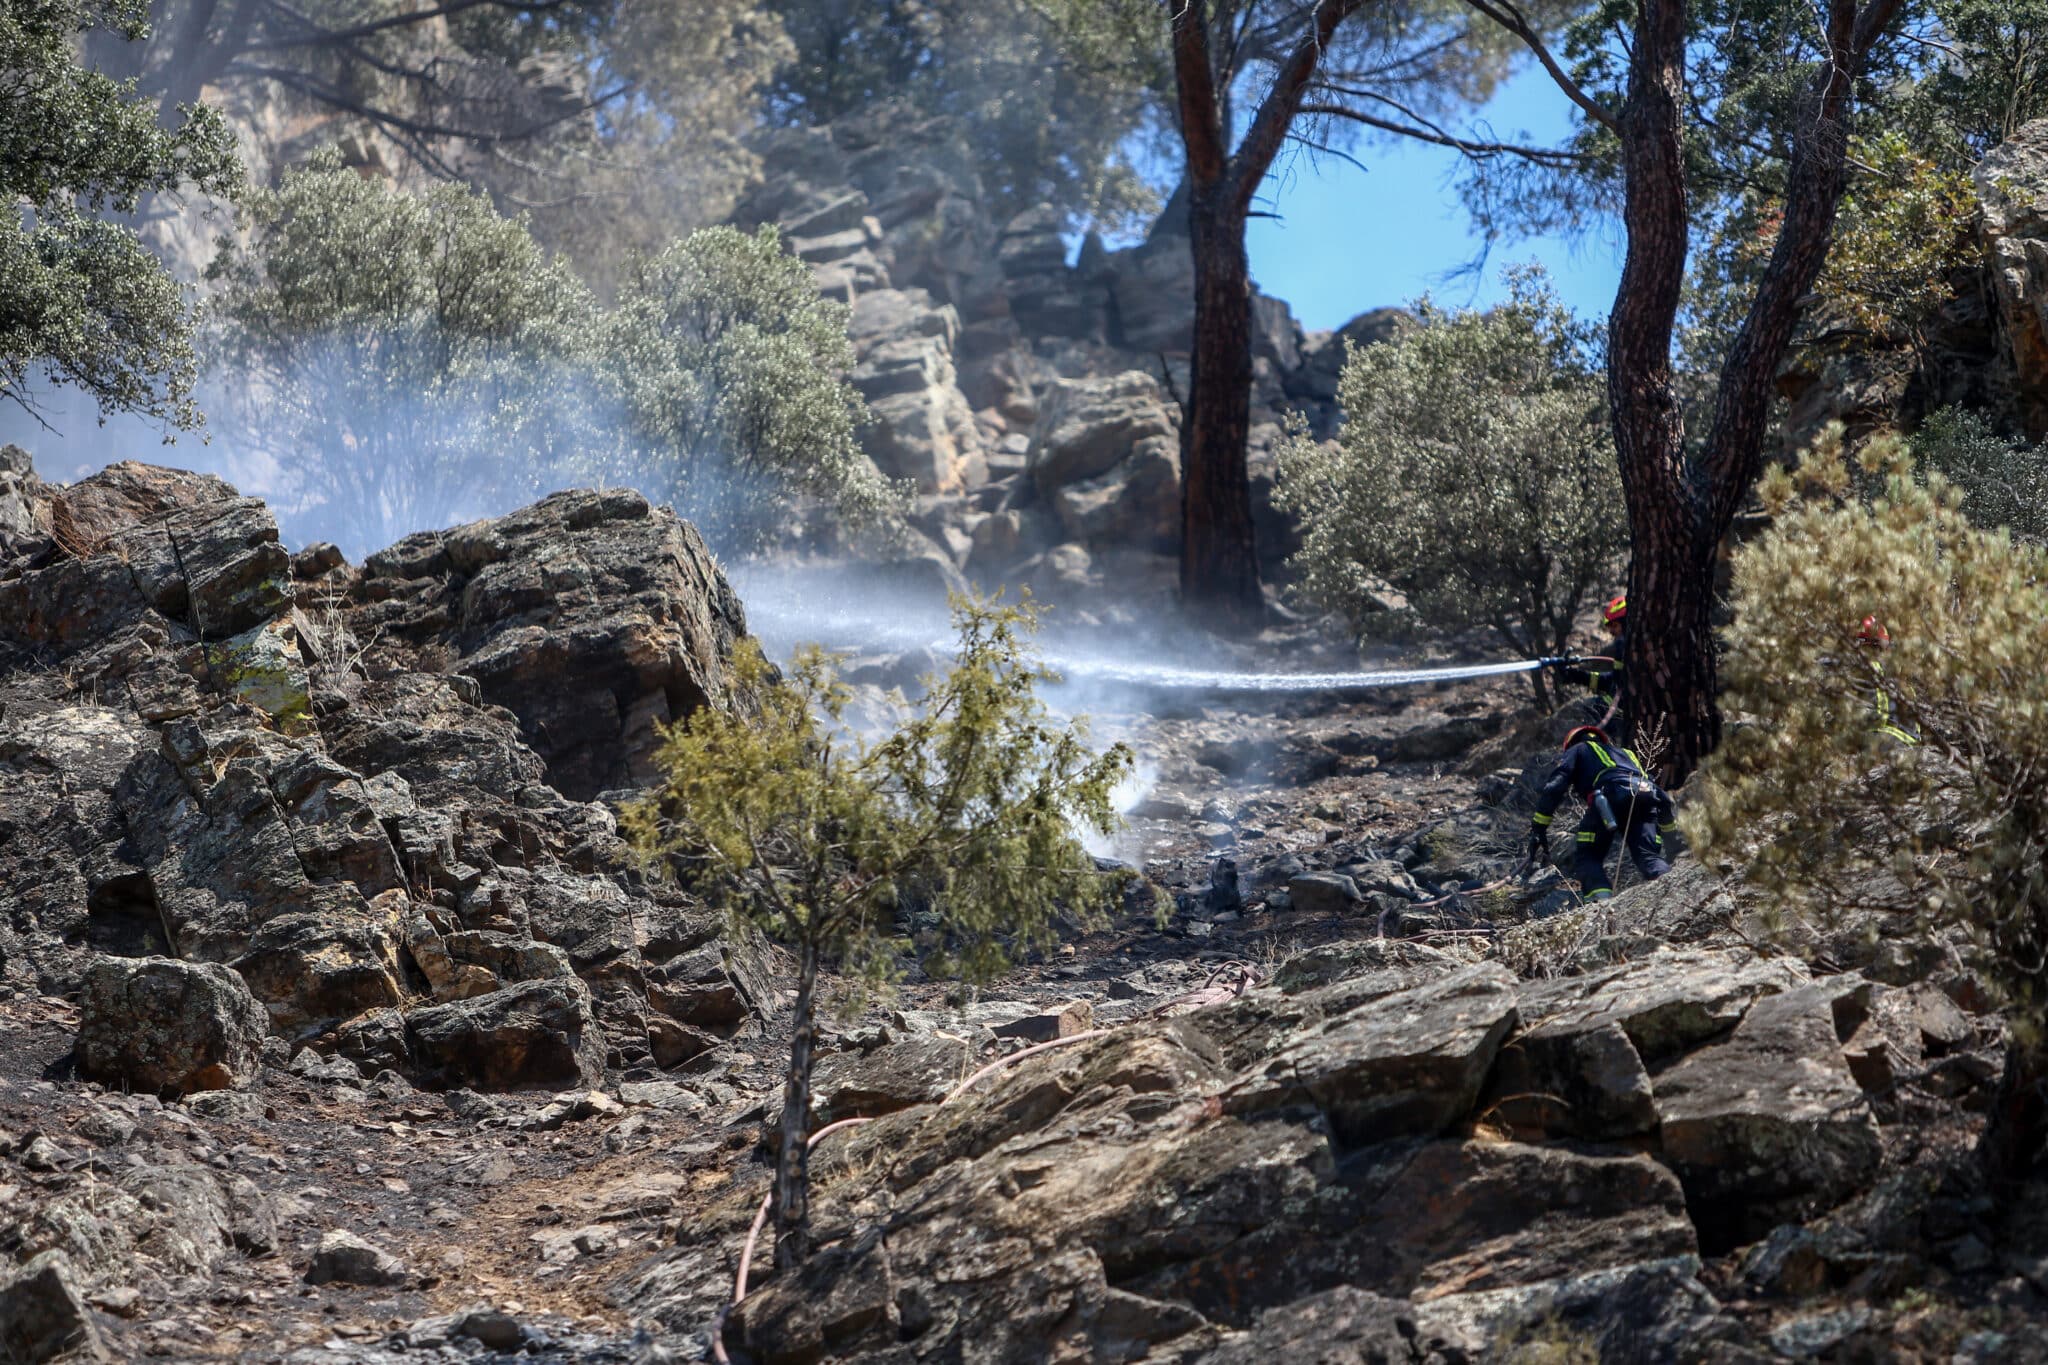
(2004, 481)
(406, 360)
(1825, 815)
(813, 836)
(82, 301)
(732, 372)
(1474, 473)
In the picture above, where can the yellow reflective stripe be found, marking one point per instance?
(1583, 837)
(1601, 754)
(1896, 733)
(1603, 894)
(1666, 829)
(1632, 757)
(1541, 819)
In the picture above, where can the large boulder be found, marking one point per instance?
(43, 1318)
(1770, 1126)
(594, 617)
(1410, 1063)
(169, 1027)
(535, 1035)
(1581, 1068)
(1088, 427)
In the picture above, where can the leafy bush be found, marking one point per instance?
(1474, 473)
(1902, 235)
(411, 360)
(82, 301)
(1821, 813)
(2004, 481)
(732, 374)
(813, 836)
(406, 360)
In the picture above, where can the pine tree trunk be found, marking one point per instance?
(1672, 678)
(793, 1162)
(1670, 654)
(1219, 565)
(1681, 507)
(2018, 1127)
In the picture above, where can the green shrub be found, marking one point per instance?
(1474, 473)
(411, 360)
(732, 371)
(1823, 815)
(813, 836)
(406, 360)
(82, 301)
(2004, 481)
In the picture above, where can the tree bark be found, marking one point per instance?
(1666, 671)
(1219, 562)
(2018, 1126)
(1219, 565)
(1681, 506)
(793, 1162)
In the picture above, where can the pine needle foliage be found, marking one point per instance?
(1475, 473)
(1826, 816)
(813, 836)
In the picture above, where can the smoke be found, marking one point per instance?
(363, 464)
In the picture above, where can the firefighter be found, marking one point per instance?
(1606, 683)
(1620, 800)
(1873, 640)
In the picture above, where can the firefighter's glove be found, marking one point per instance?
(1539, 848)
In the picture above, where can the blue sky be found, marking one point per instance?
(1348, 240)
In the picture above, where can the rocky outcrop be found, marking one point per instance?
(1392, 1147)
(362, 792)
(42, 1317)
(2012, 195)
(979, 341)
(593, 617)
(169, 1027)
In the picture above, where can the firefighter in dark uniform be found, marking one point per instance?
(1606, 684)
(1621, 800)
(1874, 639)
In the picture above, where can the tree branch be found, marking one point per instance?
(1734, 449)
(1262, 141)
(329, 94)
(319, 37)
(1424, 131)
(1504, 13)
(1201, 119)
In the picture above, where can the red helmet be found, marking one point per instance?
(1872, 632)
(1584, 732)
(1615, 610)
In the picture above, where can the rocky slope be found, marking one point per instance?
(337, 1025)
(1032, 402)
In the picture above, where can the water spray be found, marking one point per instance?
(838, 613)
(1166, 676)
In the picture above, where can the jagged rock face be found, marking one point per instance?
(972, 328)
(2012, 192)
(1393, 1153)
(591, 616)
(349, 793)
